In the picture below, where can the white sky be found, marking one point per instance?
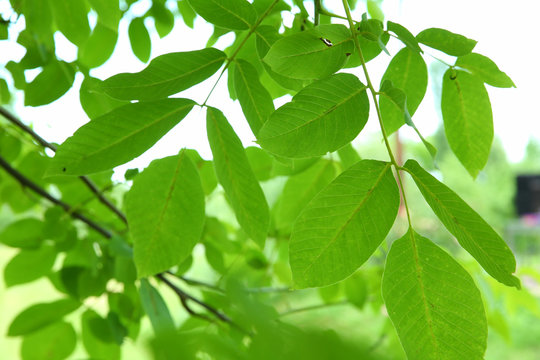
(506, 32)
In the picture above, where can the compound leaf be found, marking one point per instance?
(230, 14)
(446, 41)
(484, 68)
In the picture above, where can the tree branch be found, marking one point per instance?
(93, 188)
(25, 182)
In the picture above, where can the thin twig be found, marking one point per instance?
(312, 307)
(25, 182)
(41, 141)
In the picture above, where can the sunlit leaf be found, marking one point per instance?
(154, 306)
(165, 212)
(55, 342)
(163, 18)
(405, 36)
(311, 54)
(343, 224)
(322, 117)
(470, 230)
(118, 136)
(446, 41)
(255, 100)
(93, 101)
(53, 82)
(230, 14)
(38, 316)
(468, 121)
(433, 302)
(24, 233)
(108, 11)
(235, 175)
(29, 265)
(166, 75)
(99, 46)
(484, 68)
(71, 19)
(139, 39)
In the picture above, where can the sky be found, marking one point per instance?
(505, 31)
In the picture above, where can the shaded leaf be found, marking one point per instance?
(166, 75)
(470, 230)
(322, 117)
(484, 68)
(53, 82)
(118, 136)
(311, 54)
(99, 47)
(154, 306)
(343, 224)
(97, 338)
(29, 265)
(93, 101)
(404, 35)
(165, 212)
(55, 342)
(446, 41)
(468, 121)
(236, 177)
(433, 302)
(139, 39)
(348, 156)
(163, 18)
(255, 100)
(356, 290)
(108, 11)
(370, 50)
(230, 14)
(71, 18)
(187, 13)
(5, 96)
(38, 316)
(24, 233)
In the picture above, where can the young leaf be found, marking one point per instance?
(255, 100)
(71, 18)
(468, 121)
(165, 212)
(300, 189)
(322, 117)
(38, 316)
(53, 82)
(404, 36)
(154, 306)
(470, 230)
(408, 72)
(55, 342)
(118, 136)
(312, 54)
(343, 224)
(139, 39)
(446, 41)
(236, 177)
(230, 14)
(166, 75)
(484, 68)
(433, 302)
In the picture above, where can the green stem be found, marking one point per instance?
(317, 12)
(377, 109)
(233, 56)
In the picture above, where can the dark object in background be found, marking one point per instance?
(527, 198)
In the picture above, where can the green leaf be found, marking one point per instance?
(108, 11)
(165, 212)
(139, 39)
(187, 13)
(446, 41)
(5, 95)
(38, 316)
(53, 82)
(55, 342)
(370, 50)
(433, 302)
(235, 175)
(154, 306)
(93, 101)
(99, 47)
(404, 35)
(348, 156)
(29, 265)
(356, 290)
(312, 54)
(261, 162)
(470, 230)
(468, 121)
(25, 233)
(206, 171)
(300, 189)
(230, 14)
(163, 18)
(343, 224)
(97, 337)
(38, 19)
(408, 72)
(255, 100)
(118, 136)
(71, 18)
(166, 75)
(484, 68)
(322, 117)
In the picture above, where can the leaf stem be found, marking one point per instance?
(237, 50)
(377, 109)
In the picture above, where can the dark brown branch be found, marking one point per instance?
(14, 120)
(25, 182)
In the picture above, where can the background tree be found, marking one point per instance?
(301, 211)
